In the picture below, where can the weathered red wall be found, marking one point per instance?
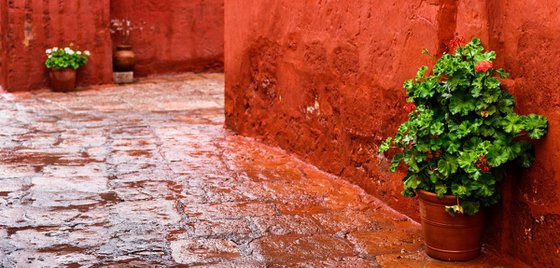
(526, 36)
(3, 46)
(174, 36)
(34, 26)
(324, 79)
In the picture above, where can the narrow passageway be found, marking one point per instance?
(145, 175)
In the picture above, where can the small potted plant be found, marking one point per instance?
(62, 65)
(461, 133)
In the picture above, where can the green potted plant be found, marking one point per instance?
(62, 65)
(461, 133)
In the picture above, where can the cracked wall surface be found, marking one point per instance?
(324, 80)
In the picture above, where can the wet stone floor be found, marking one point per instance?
(145, 175)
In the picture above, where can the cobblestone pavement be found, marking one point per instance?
(144, 175)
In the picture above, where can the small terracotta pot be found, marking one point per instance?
(447, 237)
(124, 58)
(63, 80)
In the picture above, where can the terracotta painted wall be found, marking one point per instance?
(174, 36)
(34, 26)
(3, 45)
(324, 79)
(526, 36)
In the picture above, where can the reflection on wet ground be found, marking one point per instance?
(144, 175)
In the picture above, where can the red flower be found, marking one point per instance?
(482, 164)
(456, 42)
(409, 107)
(483, 66)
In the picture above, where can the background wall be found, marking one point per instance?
(3, 47)
(324, 79)
(174, 36)
(171, 36)
(34, 26)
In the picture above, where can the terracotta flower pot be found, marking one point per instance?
(447, 237)
(124, 58)
(63, 80)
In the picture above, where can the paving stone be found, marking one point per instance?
(144, 175)
(229, 210)
(287, 224)
(203, 251)
(380, 242)
(290, 249)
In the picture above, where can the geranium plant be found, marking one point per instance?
(461, 129)
(66, 58)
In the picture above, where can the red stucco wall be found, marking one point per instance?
(324, 79)
(526, 36)
(171, 36)
(3, 46)
(174, 36)
(34, 26)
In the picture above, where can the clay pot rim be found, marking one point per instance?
(124, 47)
(62, 69)
(429, 196)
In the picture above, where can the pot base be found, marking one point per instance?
(63, 80)
(452, 255)
(447, 237)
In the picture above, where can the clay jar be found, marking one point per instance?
(447, 237)
(63, 80)
(124, 58)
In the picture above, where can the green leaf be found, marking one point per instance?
(447, 166)
(421, 72)
(408, 84)
(470, 207)
(492, 83)
(463, 130)
(466, 158)
(385, 145)
(497, 155)
(502, 73)
(536, 125)
(412, 182)
(486, 190)
(477, 86)
(459, 190)
(462, 104)
(440, 189)
(453, 147)
(437, 128)
(395, 162)
(512, 124)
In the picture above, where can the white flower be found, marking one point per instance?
(70, 52)
(50, 56)
(66, 48)
(87, 52)
(79, 52)
(48, 51)
(55, 49)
